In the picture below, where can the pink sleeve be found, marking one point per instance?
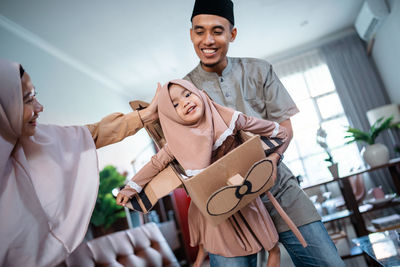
(260, 126)
(157, 163)
(115, 127)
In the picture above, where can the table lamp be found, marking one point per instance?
(384, 111)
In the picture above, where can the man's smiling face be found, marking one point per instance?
(211, 35)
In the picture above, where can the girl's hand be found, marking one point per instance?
(124, 195)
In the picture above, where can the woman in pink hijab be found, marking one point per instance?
(48, 174)
(198, 132)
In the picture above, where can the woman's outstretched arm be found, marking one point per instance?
(114, 128)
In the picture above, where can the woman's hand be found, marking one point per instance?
(124, 195)
(149, 114)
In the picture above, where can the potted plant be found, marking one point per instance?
(373, 153)
(333, 167)
(321, 140)
(106, 211)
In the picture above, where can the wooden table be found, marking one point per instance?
(351, 204)
(394, 168)
(393, 165)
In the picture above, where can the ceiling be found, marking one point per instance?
(130, 45)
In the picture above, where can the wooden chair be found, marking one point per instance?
(339, 230)
(357, 184)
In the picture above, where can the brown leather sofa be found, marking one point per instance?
(141, 246)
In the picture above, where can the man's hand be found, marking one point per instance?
(287, 124)
(124, 195)
(275, 156)
(149, 114)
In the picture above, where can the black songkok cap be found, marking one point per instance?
(222, 8)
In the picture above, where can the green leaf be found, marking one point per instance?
(357, 135)
(106, 211)
(395, 125)
(380, 126)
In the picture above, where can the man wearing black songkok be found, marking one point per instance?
(251, 86)
(220, 8)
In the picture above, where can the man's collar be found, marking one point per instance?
(228, 67)
(213, 74)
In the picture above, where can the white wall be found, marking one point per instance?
(71, 97)
(386, 52)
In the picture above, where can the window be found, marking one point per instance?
(309, 82)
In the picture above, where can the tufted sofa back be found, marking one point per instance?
(141, 246)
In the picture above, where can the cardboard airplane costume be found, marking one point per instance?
(222, 188)
(218, 188)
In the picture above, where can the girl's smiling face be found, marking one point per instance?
(32, 107)
(188, 105)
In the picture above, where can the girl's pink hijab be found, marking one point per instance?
(48, 184)
(192, 145)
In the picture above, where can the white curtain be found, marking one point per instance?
(299, 63)
(359, 88)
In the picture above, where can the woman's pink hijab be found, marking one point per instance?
(48, 183)
(192, 145)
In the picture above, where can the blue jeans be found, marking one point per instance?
(321, 251)
(242, 261)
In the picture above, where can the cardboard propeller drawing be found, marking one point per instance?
(220, 190)
(227, 198)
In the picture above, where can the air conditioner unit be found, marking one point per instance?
(369, 19)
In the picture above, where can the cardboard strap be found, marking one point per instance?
(287, 219)
(134, 204)
(227, 198)
(270, 144)
(141, 202)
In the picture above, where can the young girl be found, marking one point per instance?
(198, 132)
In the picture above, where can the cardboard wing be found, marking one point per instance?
(164, 183)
